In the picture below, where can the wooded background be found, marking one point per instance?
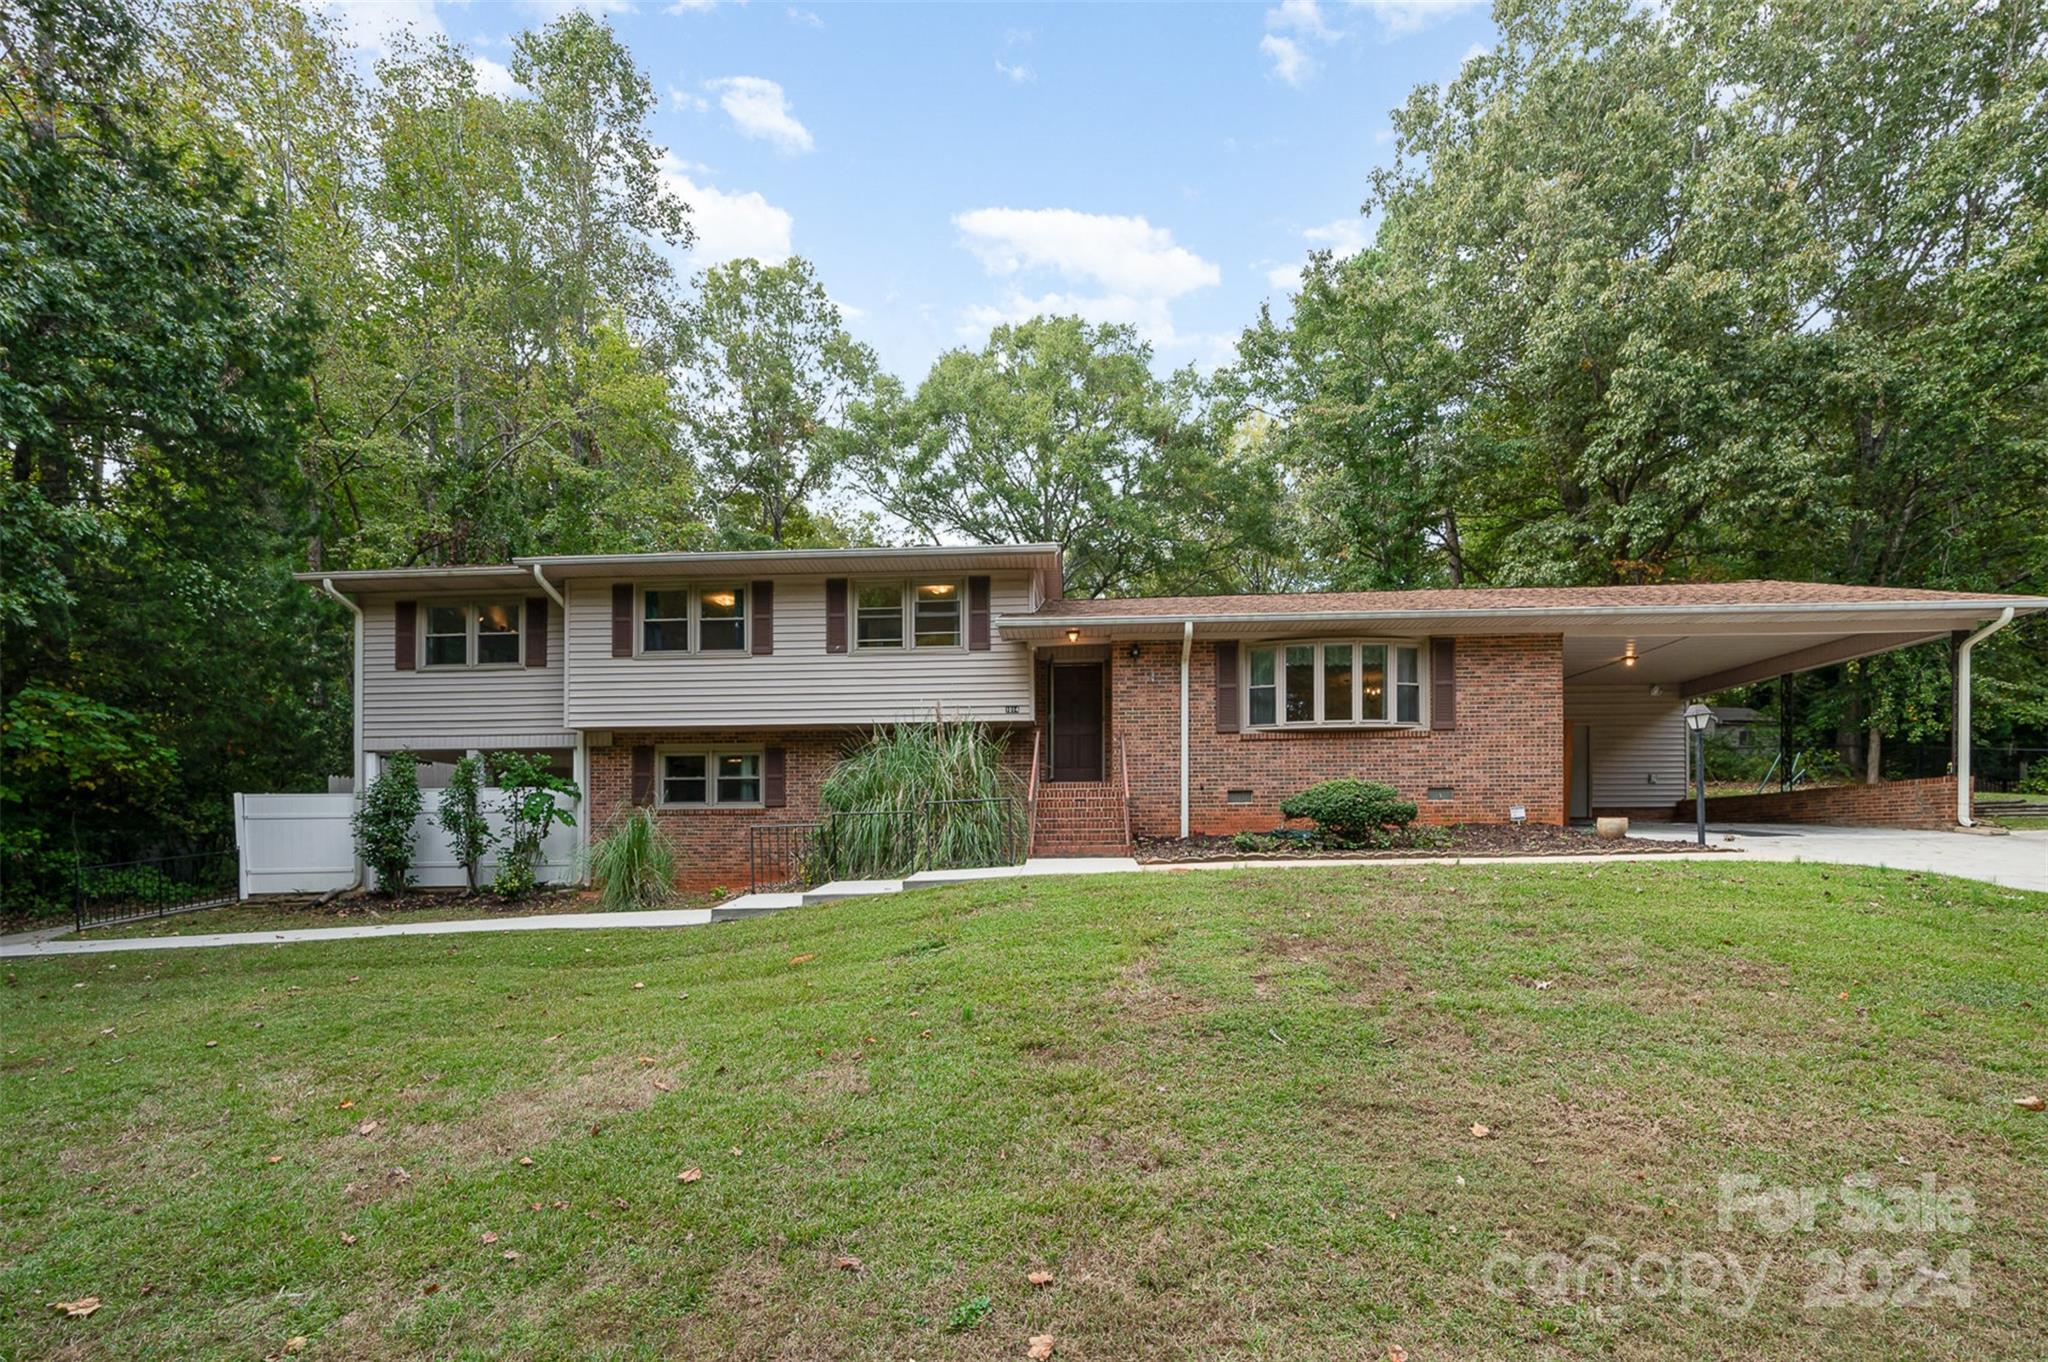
(1694, 292)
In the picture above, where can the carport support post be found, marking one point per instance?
(1963, 713)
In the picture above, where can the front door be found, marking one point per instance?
(1077, 721)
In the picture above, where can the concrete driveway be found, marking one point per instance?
(2018, 860)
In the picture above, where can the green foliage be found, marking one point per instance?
(889, 807)
(2036, 781)
(968, 1313)
(1351, 812)
(531, 810)
(384, 821)
(462, 816)
(634, 866)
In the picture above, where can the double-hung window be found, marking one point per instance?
(710, 779)
(485, 634)
(1339, 683)
(893, 615)
(704, 619)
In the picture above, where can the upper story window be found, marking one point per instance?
(703, 619)
(1340, 682)
(485, 634)
(914, 614)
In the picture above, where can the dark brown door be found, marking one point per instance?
(1077, 721)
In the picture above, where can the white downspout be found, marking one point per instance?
(356, 699)
(1187, 643)
(1963, 713)
(579, 764)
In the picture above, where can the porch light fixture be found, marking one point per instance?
(1628, 654)
(1697, 717)
(1073, 635)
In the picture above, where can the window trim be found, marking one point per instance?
(693, 615)
(711, 752)
(472, 652)
(1279, 647)
(906, 601)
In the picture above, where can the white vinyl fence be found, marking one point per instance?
(304, 844)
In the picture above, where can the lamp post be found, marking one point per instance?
(1697, 717)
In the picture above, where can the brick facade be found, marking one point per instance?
(711, 843)
(1507, 748)
(1928, 803)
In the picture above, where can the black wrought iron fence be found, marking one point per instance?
(875, 844)
(157, 886)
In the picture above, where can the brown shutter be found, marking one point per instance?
(536, 631)
(774, 777)
(763, 594)
(622, 619)
(835, 614)
(1226, 686)
(977, 614)
(643, 775)
(405, 645)
(1443, 683)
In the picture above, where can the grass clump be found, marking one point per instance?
(635, 865)
(918, 796)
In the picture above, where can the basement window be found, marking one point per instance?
(1237, 796)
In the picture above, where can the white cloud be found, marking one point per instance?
(494, 78)
(1345, 236)
(1290, 63)
(808, 18)
(691, 7)
(1476, 50)
(758, 108)
(729, 225)
(1401, 17)
(1020, 74)
(682, 101)
(1283, 278)
(371, 24)
(1301, 16)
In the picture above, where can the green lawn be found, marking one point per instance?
(1232, 1114)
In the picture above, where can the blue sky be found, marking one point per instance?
(950, 166)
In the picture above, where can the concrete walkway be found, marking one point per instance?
(2019, 861)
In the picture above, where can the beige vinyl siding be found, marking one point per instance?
(800, 685)
(1638, 743)
(458, 707)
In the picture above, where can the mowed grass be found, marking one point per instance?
(1230, 1112)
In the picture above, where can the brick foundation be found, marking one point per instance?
(711, 844)
(1508, 747)
(1928, 803)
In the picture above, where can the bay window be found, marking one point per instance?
(1343, 683)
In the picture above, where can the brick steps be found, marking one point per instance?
(1079, 818)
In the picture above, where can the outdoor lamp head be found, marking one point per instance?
(1697, 717)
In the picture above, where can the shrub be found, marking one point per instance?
(530, 812)
(2036, 781)
(886, 808)
(635, 865)
(1351, 812)
(462, 816)
(384, 822)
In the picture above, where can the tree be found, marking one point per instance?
(462, 817)
(768, 377)
(531, 811)
(1058, 432)
(384, 822)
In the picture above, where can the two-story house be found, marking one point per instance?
(719, 688)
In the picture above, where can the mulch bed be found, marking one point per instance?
(1502, 839)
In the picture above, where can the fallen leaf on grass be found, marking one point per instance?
(347, 1238)
(525, 1161)
(1480, 1132)
(79, 1308)
(210, 1044)
(2028, 1103)
(803, 959)
(511, 1255)
(369, 1128)
(647, 1059)
(295, 1343)
(490, 1236)
(639, 983)
(275, 1158)
(1397, 1353)
(690, 1175)
(846, 1262)
(660, 1086)
(430, 1288)
(1039, 1278)
(346, 1103)
(734, 1151)
(1040, 1349)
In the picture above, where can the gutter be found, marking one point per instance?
(1740, 612)
(549, 587)
(1963, 713)
(1187, 643)
(356, 698)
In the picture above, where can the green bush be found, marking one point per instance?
(384, 822)
(1351, 812)
(2036, 781)
(635, 865)
(462, 816)
(530, 811)
(885, 809)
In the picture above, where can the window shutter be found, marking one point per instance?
(622, 619)
(643, 775)
(405, 646)
(1226, 686)
(977, 614)
(536, 631)
(1443, 683)
(763, 596)
(774, 777)
(835, 614)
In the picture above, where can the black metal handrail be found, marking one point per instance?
(940, 834)
(156, 886)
